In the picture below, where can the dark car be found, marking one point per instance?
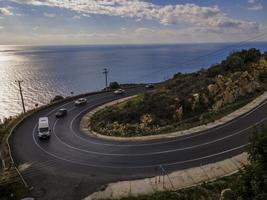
(149, 86)
(61, 113)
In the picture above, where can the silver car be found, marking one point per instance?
(119, 91)
(80, 101)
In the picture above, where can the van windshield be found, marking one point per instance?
(43, 130)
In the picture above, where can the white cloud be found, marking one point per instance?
(144, 30)
(141, 35)
(5, 12)
(201, 16)
(255, 5)
(76, 17)
(50, 15)
(35, 28)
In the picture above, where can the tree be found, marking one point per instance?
(114, 85)
(57, 98)
(252, 184)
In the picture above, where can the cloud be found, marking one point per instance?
(255, 5)
(50, 15)
(201, 16)
(76, 17)
(144, 30)
(35, 28)
(5, 12)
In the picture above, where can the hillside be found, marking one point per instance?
(188, 99)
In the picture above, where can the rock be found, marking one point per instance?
(220, 81)
(145, 120)
(205, 99)
(227, 90)
(228, 96)
(196, 97)
(227, 194)
(195, 101)
(212, 88)
(217, 106)
(179, 113)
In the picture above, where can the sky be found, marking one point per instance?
(53, 22)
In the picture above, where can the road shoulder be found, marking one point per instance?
(173, 181)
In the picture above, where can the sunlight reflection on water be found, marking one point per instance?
(59, 70)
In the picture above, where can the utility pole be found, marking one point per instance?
(105, 71)
(21, 96)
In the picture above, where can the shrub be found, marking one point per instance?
(252, 184)
(114, 85)
(57, 98)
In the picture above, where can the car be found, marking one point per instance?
(119, 91)
(43, 128)
(149, 86)
(80, 101)
(61, 112)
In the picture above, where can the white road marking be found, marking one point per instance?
(132, 167)
(154, 153)
(155, 143)
(253, 110)
(159, 152)
(147, 144)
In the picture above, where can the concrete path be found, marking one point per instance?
(173, 181)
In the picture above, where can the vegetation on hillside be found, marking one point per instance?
(11, 186)
(12, 191)
(188, 99)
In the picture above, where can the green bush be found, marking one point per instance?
(57, 98)
(114, 85)
(252, 183)
(12, 191)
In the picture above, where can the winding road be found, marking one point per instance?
(70, 153)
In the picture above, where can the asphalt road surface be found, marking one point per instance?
(72, 165)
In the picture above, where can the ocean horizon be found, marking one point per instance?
(47, 71)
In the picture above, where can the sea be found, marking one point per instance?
(47, 71)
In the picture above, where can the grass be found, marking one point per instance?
(11, 186)
(12, 191)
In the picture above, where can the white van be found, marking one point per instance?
(43, 128)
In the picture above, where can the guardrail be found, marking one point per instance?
(30, 113)
(9, 157)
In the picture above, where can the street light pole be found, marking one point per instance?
(21, 95)
(105, 71)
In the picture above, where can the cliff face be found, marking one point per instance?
(228, 90)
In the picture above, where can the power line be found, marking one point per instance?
(238, 44)
(21, 95)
